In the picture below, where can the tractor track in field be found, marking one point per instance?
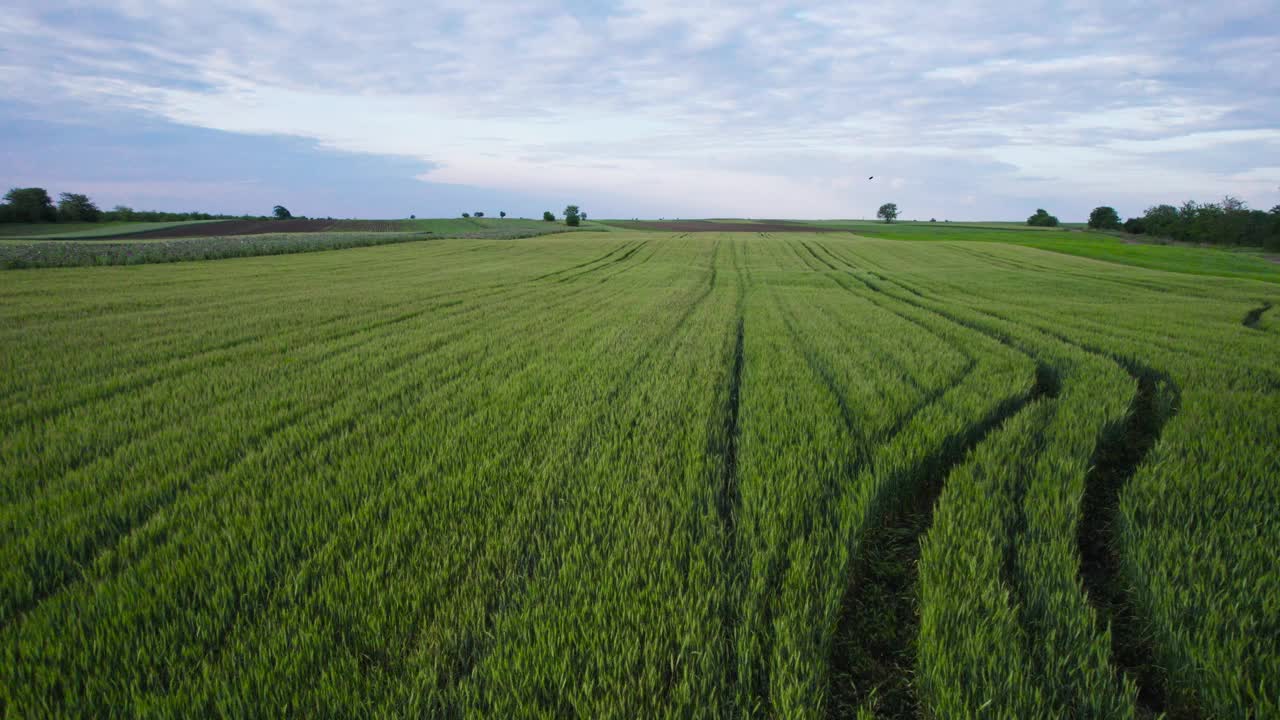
(1254, 316)
(623, 269)
(1117, 457)
(818, 257)
(729, 492)
(928, 396)
(872, 657)
(605, 263)
(823, 372)
(873, 650)
(1118, 454)
(1112, 331)
(621, 247)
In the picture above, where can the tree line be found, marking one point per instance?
(1229, 222)
(34, 205)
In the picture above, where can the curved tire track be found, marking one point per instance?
(1117, 456)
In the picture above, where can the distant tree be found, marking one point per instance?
(30, 205)
(1230, 203)
(1135, 226)
(502, 213)
(281, 212)
(933, 219)
(571, 216)
(74, 207)
(466, 215)
(413, 217)
(1042, 219)
(1161, 220)
(888, 212)
(547, 216)
(120, 212)
(1104, 218)
(583, 215)
(479, 213)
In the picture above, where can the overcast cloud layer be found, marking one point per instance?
(662, 108)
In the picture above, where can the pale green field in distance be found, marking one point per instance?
(1226, 262)
(1244, 263)
(637, 474)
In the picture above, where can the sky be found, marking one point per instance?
(643, 108)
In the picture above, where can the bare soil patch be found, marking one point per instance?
(234, 227)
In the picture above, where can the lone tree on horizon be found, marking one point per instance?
(29, 205)
(1042, 219)
(571, 216)
(75, 207)
(281, 212)
(1104, 218)
(888, 212)
(548, 216)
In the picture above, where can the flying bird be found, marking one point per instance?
(873, 177)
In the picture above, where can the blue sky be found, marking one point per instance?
(648, 108)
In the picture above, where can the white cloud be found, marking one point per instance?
(701, 106)
(1071, 65)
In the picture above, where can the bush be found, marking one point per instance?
(1104, 218)
(1042, 219)
(1135, 226)
(546, 215)
(30, 205)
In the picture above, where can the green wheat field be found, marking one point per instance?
(641, 474)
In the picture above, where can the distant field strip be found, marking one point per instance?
(640, 474)
(222, 239)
